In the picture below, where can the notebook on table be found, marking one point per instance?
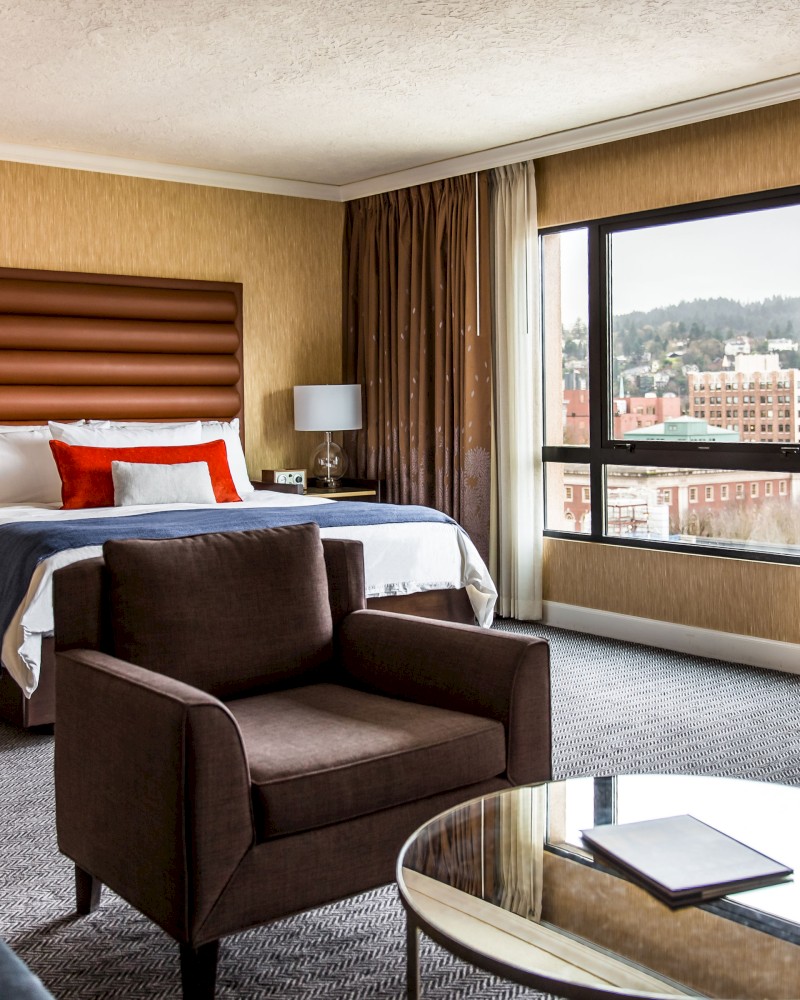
(682, 860)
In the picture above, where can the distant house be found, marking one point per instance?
(738, 345)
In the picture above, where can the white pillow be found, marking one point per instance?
(151, 483)
(6, 428)
(210, 430)
(228, 431)
(106, 435)
(145, 425)
(28, 471)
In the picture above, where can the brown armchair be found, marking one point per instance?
(238, 739)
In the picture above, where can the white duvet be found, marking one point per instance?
(398, 559)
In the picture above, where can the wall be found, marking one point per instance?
(752, 151)
(286, 252)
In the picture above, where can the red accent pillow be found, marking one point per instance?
(86, 472)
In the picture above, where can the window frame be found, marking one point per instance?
(604, 451)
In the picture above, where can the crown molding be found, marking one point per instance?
(98, 164)
(729, 102)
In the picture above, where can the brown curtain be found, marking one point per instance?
(414, 342)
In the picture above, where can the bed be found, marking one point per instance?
(81, 351)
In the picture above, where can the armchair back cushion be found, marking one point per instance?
(271, 584)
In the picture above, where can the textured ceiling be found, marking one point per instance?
(336, 92)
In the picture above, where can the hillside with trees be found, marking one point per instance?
(653, 351)
(769, 319)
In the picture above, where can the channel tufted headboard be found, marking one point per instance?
(115, 347)
(118, 347)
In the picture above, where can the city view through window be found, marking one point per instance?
(702, 348)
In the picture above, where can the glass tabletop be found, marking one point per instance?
(507, 882)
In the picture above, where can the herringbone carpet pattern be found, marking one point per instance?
(616, 707)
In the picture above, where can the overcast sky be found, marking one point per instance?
(743, 257)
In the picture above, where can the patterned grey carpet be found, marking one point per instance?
(616, 708)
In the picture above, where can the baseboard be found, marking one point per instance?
(751, 650)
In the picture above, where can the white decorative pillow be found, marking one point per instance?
(107, 435)
(28, 471)
(228, 431)
(150, 483)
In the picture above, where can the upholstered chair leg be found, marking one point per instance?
(87, 891)
(199, 971)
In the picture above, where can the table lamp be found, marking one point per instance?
(327, 408)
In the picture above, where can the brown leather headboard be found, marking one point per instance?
(118, 347)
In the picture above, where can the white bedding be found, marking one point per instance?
(404, 558)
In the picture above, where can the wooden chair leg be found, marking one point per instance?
(87, 891)
(199, 970)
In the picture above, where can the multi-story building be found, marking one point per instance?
(630, 413)
(576, 416)
(662, 503)
(758, 399)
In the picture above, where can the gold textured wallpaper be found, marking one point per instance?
(286, 252)
(728, 595)
(752, 151)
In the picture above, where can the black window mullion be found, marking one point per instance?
(598, 379)
(655, 454)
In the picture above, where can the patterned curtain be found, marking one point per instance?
(413, 340)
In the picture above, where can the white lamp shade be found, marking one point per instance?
(327, 407)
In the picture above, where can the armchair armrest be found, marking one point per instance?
(497, 675)
(152, 787)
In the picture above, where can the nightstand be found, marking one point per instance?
(368, 490)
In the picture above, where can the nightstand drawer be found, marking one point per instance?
(368, 490)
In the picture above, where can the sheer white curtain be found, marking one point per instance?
(516, 551)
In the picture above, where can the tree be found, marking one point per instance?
(789, 359)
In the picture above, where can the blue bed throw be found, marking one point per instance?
(24, 544)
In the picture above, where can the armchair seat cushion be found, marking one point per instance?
(324, 753)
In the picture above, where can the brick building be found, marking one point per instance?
(630, 413)
(758, 399)
(662, 503)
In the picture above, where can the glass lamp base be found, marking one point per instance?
(329, 462)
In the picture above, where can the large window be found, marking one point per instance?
(672, 377)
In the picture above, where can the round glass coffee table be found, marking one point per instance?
(506, 883)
